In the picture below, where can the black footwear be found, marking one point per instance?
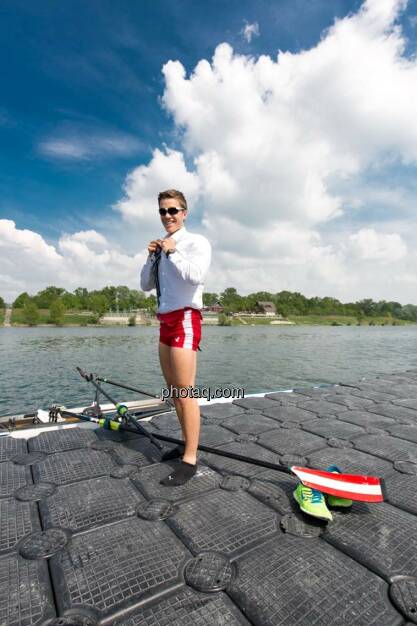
(180, 475)
(175, 453)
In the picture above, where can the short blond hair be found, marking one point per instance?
(175, 194)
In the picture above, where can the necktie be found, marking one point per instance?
(156, 274)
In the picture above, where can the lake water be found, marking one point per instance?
(37, 365)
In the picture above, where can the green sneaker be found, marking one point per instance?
(335, 500)
(312, 502)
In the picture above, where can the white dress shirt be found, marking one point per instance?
(181, 273)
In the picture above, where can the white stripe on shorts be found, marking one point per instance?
(188, 329)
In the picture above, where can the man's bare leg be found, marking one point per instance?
(183, 368)
(165, 360)
(179, 367)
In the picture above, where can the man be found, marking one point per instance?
(176, 267)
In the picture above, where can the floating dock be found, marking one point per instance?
(88, 536)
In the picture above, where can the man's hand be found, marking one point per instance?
(167, 245)
(153, 246)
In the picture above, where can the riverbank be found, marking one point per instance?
(346, 320)
(89, 319)
(331, 320)
(320, 320)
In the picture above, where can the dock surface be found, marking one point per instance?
(88, 536)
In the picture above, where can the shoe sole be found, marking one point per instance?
(340, 506)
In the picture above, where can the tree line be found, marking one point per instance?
(99, 301)
(294, 303)
(58, 301)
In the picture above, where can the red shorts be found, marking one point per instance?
(181, 328)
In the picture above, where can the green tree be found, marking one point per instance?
(210, 298)
(232, 300)
(409, 312)
(21, 300)
(350, 309)
(223, 320)
(228, 295)
(396, 309)
(123, 298)
(69, 300)
(110, 294)
(2, 303)
(263, 296)
(137, 299)
(151, 304)
(45, 297)
(30, 313)
(81, 298)
(98, 304)
(292, 303)
(282, 309)
(57, 312)
(368, 307)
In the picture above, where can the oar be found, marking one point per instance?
(121, 409)
(129, 387)
(352, 486)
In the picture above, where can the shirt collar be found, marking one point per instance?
(178, 234)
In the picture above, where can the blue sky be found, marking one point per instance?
(81, 107)
(75, 68)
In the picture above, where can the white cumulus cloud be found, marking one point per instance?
(29, 263)
(91, 237)
(166, 170)
(279, 134)
(368, 245)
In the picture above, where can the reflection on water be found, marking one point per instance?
(37, 365)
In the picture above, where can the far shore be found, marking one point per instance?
(235, 320)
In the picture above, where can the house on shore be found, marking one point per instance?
(213, 308)
(267, 308)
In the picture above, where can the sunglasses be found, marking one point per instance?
(172, 210)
